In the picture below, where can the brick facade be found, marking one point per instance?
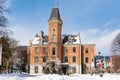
(69, 50)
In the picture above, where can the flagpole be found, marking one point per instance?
(99, 63)
(91, 64)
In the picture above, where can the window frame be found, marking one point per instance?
(86, 59)
(86, 50)
(74, 59)
(44, 49)
(66, 59)
(36, 59)
(53, 30)
(36, 50)
(66, 49)
(44, 59)
(53, 37)
(74, 49)
(53, 51)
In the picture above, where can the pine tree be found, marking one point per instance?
(6, 52)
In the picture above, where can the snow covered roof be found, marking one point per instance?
(35, 40)
(66, 39)
(71, 39)
(39, 40)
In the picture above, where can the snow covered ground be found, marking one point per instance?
(58, 77)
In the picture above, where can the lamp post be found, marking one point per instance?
(99, 63)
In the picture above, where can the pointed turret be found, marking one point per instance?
(54, 36)
(55, 15)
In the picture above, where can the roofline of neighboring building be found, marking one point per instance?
(71, 44)
(88, 44)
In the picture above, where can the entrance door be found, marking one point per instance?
(64, 69)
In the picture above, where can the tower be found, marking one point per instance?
(54, 36)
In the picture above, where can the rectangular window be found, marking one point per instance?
(44, 59)
(86, 50)
(36, 50)
(66, 49)
(44, 50)
(74, 59)
(53, 51)
(74, 49)
(36, 60)
(36, 69)
(53, 37)
(86, 60)
(66, 59)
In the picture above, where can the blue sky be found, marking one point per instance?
(97, 21)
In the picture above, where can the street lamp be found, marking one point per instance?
(99, 63)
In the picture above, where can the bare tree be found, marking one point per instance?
(3, 19)
(8, 44)
(116, 53)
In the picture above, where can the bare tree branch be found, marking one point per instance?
(115, 48)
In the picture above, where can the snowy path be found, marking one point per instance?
(58, 77)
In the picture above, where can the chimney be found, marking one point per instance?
(41, 34)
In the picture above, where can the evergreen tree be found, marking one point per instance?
(6, 52)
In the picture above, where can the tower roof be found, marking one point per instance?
(55, 15)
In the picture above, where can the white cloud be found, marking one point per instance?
(22, 34)
(105, 31)
(88, 34)
(107, 24)
(103, 40)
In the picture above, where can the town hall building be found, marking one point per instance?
(64, 51)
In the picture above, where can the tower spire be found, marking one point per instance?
(55, 15)
(55, 3)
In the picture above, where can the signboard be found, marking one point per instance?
(0, 54)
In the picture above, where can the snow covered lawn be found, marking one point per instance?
(58, 77)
